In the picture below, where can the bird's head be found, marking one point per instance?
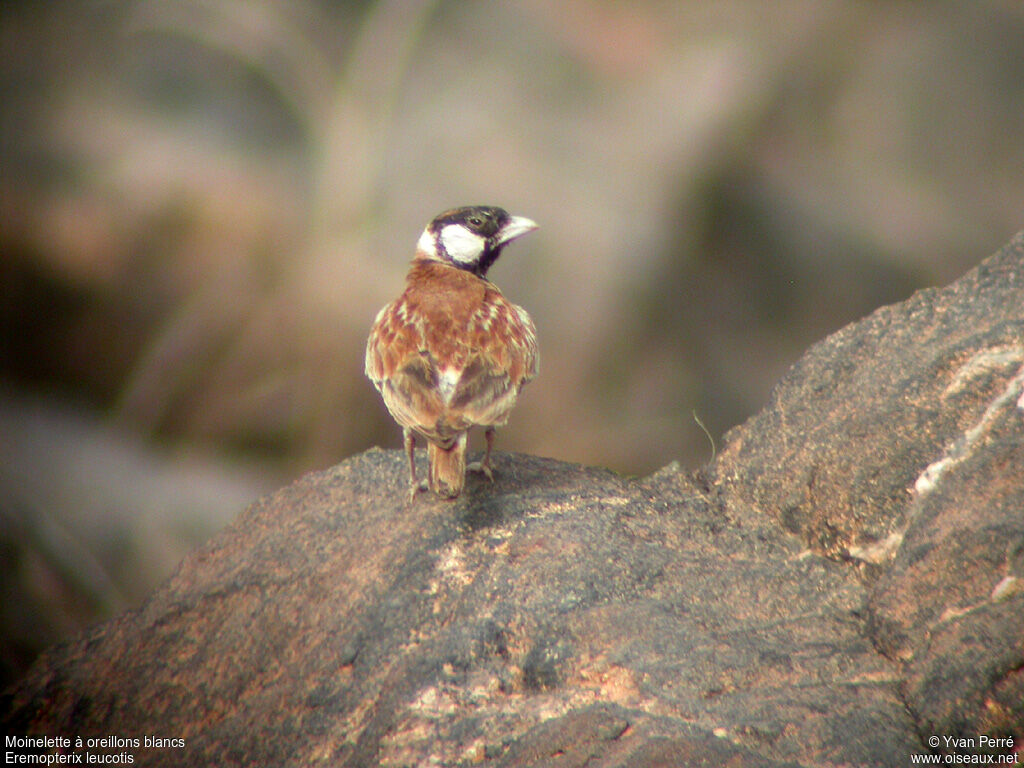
(471, 238)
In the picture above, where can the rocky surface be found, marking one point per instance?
(842, 583)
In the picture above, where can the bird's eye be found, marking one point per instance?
(476, 221)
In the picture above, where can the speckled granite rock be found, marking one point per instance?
(842, 582)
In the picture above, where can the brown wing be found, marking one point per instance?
(405, 372)
(503, 358)
(450, 353)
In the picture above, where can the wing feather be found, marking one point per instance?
(503, 360)
(443, 367)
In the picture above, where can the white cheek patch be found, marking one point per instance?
(425, 244)
(463, 246)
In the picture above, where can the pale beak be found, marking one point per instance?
(516, 227)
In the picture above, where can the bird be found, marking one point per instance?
(451, 352)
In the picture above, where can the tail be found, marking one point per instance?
(447, 468)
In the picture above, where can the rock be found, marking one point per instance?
(843, 582)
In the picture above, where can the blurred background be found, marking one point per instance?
(204, 203)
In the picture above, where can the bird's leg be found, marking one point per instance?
(409, 439)
(484, 467)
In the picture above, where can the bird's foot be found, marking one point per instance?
(415, 488)
(483, 467)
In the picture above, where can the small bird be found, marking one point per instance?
(452, 352)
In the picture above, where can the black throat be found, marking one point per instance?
(486, 260)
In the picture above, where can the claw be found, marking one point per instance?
(416, 488)
(481, 467)
(484, 467)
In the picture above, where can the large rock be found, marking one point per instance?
(841, 584)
